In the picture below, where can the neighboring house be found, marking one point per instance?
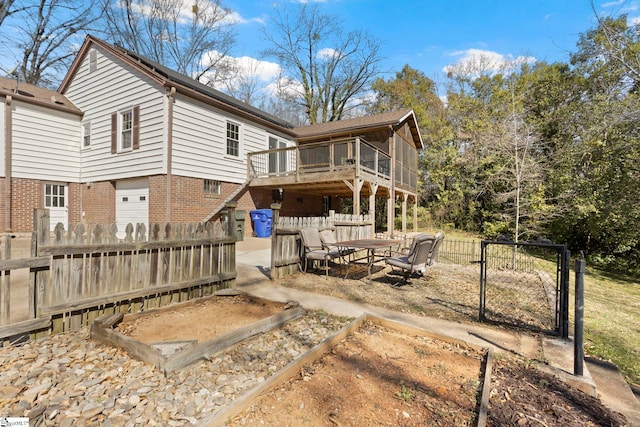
(127, 140)
(39, 164)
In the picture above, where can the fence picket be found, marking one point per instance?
(286, 257)
(85, 271)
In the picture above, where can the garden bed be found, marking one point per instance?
(374, 372)
(176, 336)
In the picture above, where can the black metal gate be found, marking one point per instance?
(525, 285)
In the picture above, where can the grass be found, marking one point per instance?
(611, 318)
(612, 321)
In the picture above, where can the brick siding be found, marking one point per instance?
(95, 204)
(26, 195)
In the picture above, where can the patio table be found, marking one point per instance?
(371, 245)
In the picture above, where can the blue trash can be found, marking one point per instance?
(262, 220)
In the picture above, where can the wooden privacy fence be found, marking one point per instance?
(79, 274)
(285, 237)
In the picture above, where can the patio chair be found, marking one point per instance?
(314, 250)
(422, 254)
(330, 241)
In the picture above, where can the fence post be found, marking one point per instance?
(5, 284)
(231, 218)
(578, 347)
(483, 279)
(564, 293)
(274, 238)
(38, 280)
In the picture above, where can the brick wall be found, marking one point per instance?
(26, 195)
(98, 203)
(190, 204)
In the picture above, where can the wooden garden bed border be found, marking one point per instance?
(102, 331)
(223, 415)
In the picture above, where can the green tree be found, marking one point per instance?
(410, 88)
(607, 171)
(503, 156)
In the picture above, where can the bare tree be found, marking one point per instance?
(246, 84)
(44, 36)
(327, 67)
(191, 37)
(7, 9)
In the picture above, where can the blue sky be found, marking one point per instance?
(431, 34)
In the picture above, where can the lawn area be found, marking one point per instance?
(612, 321)
(450, 291)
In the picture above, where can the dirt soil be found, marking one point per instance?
(521, 394)
(377, 376)
(380, 377)
(199, 321)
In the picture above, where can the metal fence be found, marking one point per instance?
(532, 294)
(521, 284)
(465, 252)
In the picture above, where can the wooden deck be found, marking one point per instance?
(328, 168)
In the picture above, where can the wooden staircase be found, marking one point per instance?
(231, 197)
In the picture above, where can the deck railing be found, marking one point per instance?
(330, 156)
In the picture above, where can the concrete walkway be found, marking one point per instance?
(253, 259)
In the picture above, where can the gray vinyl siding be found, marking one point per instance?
(199, 142)
(45, 143)
(111, 88)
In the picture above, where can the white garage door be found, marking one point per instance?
(132, 204)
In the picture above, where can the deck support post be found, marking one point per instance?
(415, 213)
(404, 212)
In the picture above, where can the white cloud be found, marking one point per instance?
(263, 70)
(327, 52)
(263, 74)
(612, 3)
(476, 62)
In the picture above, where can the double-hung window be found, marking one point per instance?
(126, 130)
(86, 134)
(233, 139)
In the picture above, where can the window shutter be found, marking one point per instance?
(114, 133)
(136, 127)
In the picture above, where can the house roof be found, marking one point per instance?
(183, 84)
(362, 124)
(36, 95)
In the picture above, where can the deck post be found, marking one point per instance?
(415, 214)
(403, 195)
(275, 207)
(391, 203)
(357, 186)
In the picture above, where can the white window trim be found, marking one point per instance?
(85, 124)
(57, 196)
(121, 113)
(240, 131)
(280, 143)
(217, 188)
